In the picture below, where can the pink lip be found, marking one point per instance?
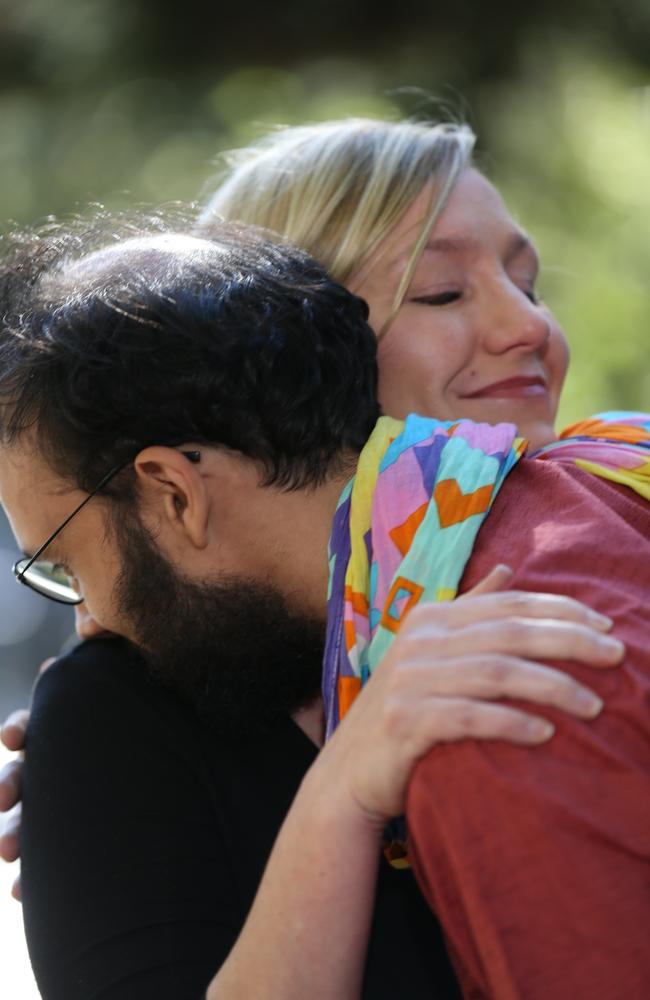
(521, 387)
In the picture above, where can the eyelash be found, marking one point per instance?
(446, 298)
(442, 299)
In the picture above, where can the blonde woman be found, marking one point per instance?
(397, 213)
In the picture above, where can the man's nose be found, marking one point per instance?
(514, 322)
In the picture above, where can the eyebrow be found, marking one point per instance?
(517, 244)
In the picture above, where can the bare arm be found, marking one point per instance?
(308, 928)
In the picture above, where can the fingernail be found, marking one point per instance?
(600, 621)
(589, 703)
(541, 730)
(612, 645)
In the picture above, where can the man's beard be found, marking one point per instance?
(233, 650)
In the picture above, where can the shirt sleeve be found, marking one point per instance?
(537, 860)
(127, 885)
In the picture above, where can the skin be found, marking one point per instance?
(208, 533)
(471, 319)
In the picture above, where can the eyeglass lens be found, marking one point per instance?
(50, 579)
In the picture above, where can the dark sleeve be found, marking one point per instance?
(127, 886)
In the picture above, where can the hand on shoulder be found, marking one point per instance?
(444, 677)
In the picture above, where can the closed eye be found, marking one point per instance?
(441, 299)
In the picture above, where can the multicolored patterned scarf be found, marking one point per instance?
(403, 531)
(406, 524)
(614, 446)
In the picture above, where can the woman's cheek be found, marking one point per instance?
(558, 362)
(399, 378)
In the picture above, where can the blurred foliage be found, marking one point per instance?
(115, 100)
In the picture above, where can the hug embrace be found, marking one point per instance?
(344, 765)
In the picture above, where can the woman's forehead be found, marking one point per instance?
(474, 213)
(473, 204)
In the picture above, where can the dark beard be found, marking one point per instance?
(233, 650)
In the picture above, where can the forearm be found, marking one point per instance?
(307, 932)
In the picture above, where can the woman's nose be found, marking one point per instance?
(513, 321)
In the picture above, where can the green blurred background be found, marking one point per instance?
(120, 100)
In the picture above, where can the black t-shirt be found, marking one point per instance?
(145, 837)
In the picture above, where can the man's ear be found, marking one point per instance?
(174, 486)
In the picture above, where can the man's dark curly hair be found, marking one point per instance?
(112, 344)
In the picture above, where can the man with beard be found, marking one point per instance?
(205, 405)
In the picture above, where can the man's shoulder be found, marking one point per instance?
(536, 486)
(99, 702)
(552, 520)
(95, 675)
(564, 494)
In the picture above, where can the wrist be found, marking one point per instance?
(329, 794)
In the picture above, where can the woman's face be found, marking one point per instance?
(471, 338)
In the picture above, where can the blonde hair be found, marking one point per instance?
(337, 188)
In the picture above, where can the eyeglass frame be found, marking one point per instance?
(19, 570)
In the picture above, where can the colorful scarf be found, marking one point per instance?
(614, 446)
(403, 531)
(406, 524)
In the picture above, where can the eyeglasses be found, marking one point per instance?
(52, 579)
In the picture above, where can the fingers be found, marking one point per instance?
(10, 785)
(497, 579)
(10, 839)
(473, 607)
(531, 638)
(453, 719)
(536, 639)
(496, 676)
(16, 891)
(14, 728)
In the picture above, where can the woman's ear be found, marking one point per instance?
(172, 484)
